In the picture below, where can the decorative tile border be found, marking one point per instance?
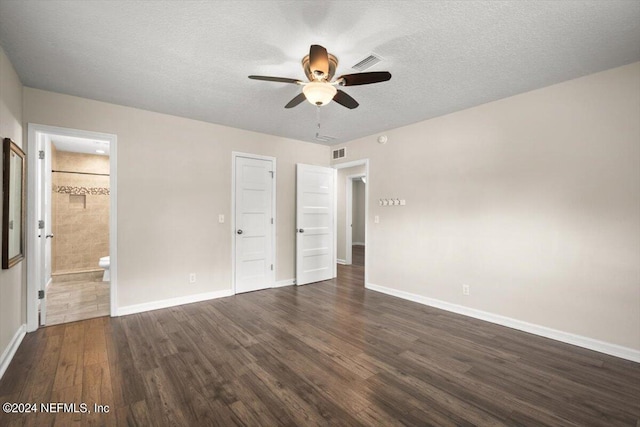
(69, 189)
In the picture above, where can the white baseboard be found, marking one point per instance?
(281, 283)
(566, 337)
(172, 302)
(341, 261)
(10, 351)
(358, 244)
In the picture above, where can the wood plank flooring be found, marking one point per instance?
(330, 353)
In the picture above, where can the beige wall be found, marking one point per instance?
(341, 212)
(358, 212)
(533, 201)
(174, 178)
(80, 211)
(12, 281)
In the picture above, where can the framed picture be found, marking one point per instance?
(13, 203)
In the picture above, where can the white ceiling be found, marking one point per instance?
(80, 145)
(192, 59)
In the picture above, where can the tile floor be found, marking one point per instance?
(69, 301)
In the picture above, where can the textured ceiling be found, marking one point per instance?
(192, 59)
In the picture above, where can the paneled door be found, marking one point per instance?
(315, 219)
(254, 223)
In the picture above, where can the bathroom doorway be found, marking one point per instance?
(80, 230)
(72, 233)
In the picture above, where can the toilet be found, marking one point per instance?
(105, 263)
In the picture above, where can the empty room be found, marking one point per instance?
(300, 213)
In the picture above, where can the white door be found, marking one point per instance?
(315, 219)
(254, 218)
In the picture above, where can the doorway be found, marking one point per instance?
(71, 225)
(352, 192)
(355, 208)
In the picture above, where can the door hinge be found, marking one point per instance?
(40, 294)
(40, 224)
(41, 154)
(271, 267)
(272, 173)
(271, 220)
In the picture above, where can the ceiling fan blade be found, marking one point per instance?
(276, 79)
(318, 60)
(345, 100)
(295, 101)
(364, 78)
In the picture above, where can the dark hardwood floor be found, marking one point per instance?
(330, 353)
(357, 255)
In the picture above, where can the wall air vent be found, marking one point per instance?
(367, 62)
(339, 153)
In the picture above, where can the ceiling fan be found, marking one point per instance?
(320, 67)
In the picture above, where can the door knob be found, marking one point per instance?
(49, 236)
(301, 230)
(239, 231)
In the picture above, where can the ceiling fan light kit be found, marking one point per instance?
(320, 67)
(319, 93)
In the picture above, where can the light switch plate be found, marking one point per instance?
(376, 219)
(221, 219)
(403, 202)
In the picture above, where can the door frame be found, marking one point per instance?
(34, 266)
(348, 237)
(367, 189)
(234, 156)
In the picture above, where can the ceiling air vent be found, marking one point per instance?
(367, 62)
(339, 153)
(325, 138)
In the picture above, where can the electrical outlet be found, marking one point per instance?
(192, 278)
(465, 289)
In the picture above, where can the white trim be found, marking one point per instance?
(172, 302)
(334, 264)
(10, 351)
(341, 261)
(554, 334)
(358, 243)
(33, 273)
(350, 164)
(281, 283)
(113, 225)
(49, 282)
(234, 155)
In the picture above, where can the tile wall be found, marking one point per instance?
(80, 211)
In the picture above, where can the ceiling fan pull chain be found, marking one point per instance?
(318, 120)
